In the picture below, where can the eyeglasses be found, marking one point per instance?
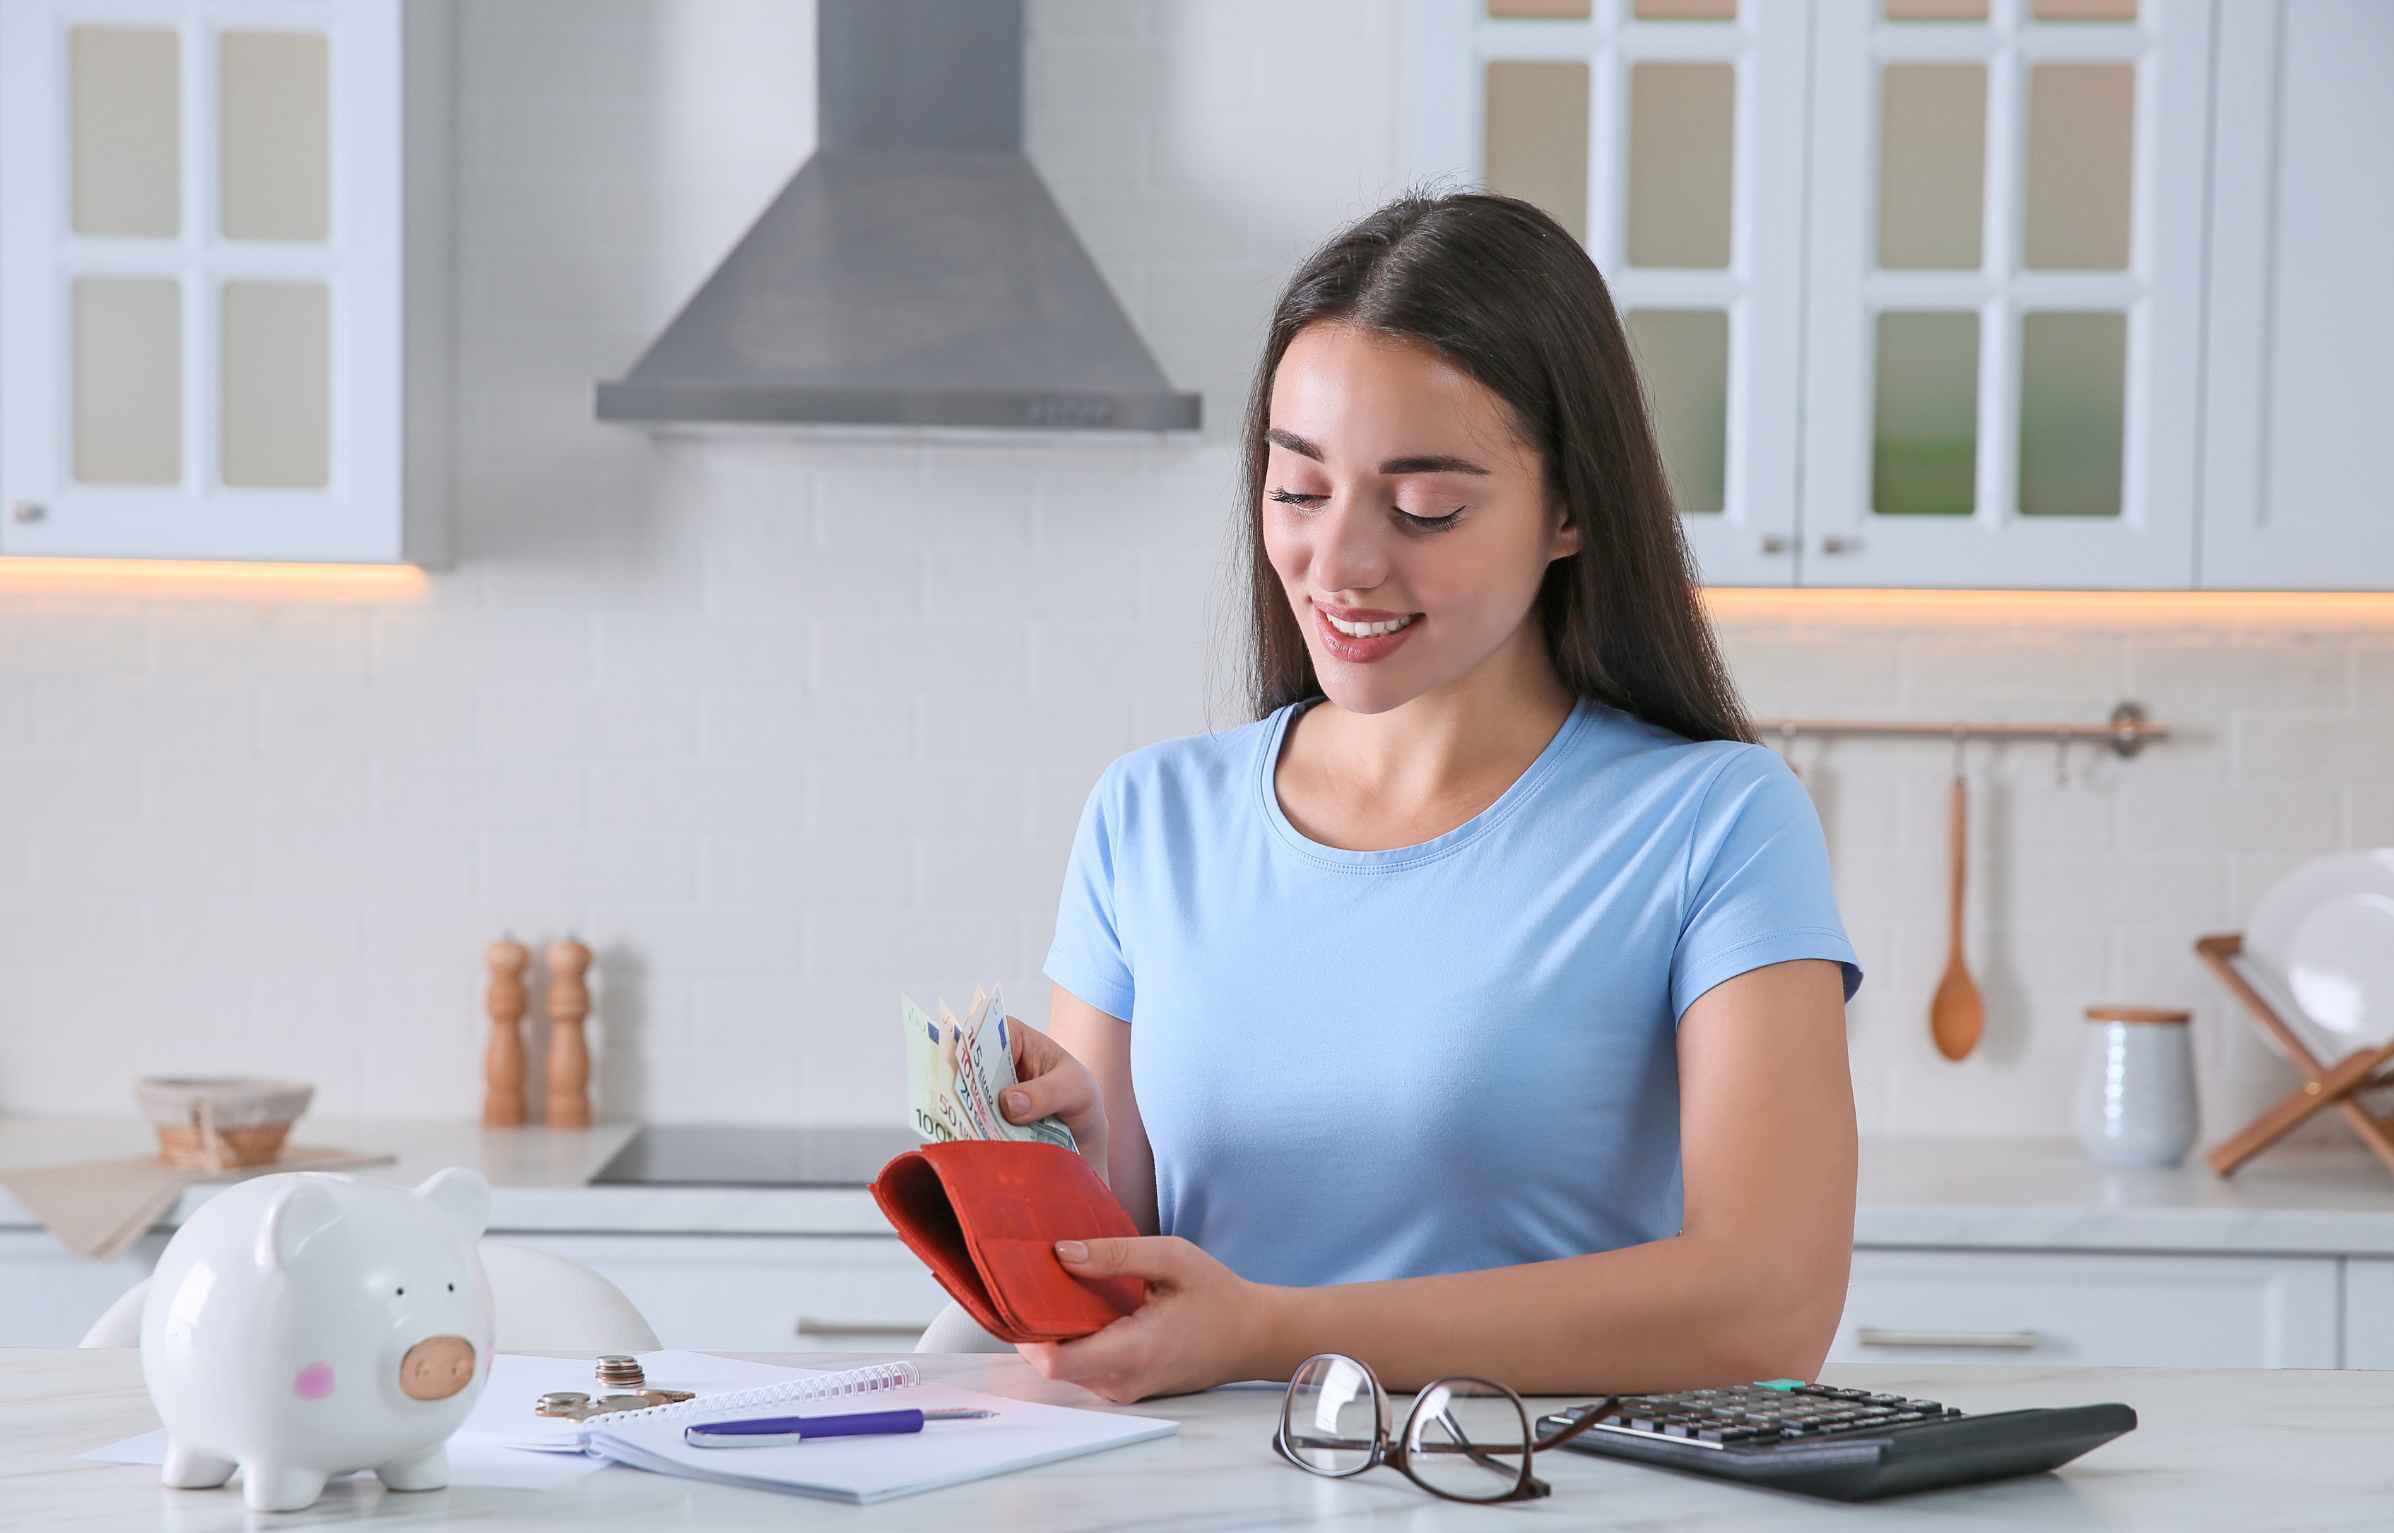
(1465, 1439)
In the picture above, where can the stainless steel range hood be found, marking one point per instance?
(915, 272)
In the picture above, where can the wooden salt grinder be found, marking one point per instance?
(503, 1061)
(569, 1052)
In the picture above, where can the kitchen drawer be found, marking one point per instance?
(771, 1293)
(2369, 1312)
(2090, 1309)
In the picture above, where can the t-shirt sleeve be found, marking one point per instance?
(1758, 886)
(1087, 955)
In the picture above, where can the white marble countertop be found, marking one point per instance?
(2026, 1194)
(540, 1177)
(2043, 1194)
(2213, 1449)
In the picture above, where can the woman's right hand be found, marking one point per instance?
(1052, 1081)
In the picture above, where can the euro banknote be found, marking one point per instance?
(956, 1069)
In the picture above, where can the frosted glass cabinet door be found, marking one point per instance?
(1666, 136)
(203, 277)
(2004, 304)
(2300, 375)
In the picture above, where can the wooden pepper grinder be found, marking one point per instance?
(569, 1052)
(503, 1061)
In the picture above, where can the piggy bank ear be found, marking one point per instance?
(461, 1194)
(297, 1212)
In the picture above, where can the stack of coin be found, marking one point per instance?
(617, 1371)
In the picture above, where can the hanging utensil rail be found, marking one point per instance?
(2128, 732)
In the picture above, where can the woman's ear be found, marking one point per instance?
(1566, 535)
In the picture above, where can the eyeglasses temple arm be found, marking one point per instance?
(1587, 1418)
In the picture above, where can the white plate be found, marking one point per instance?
(2327, 929)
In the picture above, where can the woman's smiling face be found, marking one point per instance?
(1408, 523)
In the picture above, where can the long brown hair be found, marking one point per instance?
(1504, 293)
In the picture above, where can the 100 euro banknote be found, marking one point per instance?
(956, 1070)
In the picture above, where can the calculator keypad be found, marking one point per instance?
(1752, 1415)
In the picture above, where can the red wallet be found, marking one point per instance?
(985, 1214)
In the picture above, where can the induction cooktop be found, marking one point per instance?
(752, 1155)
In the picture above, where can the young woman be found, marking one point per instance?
(1480, 1007)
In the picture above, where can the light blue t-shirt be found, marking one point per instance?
(1441, 1057)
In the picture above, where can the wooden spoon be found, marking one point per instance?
(1956, 1014)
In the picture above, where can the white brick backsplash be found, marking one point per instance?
(905, 657)
(2184, 673)
(918, 799)
(265, 643)
(639, 796)
(162, 717)
(596, 723)
(783, 723)
(529, 794)
(760, 726)
(1815, 674)
(43, 637)
(440, 644)
(537, 870)
(2340, 744)
(2371, 821)
(183, 859)
(383, 717)
(924, 952)
(100, 789)
(779, 865)
(691, 939)
(2373, 673)
(2074, 671)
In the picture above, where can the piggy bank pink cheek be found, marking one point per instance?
(314, 1382)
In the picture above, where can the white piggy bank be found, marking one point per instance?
(306, 1325)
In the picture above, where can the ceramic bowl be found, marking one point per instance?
(221, 1121)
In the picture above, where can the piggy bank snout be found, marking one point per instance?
(436, 1368)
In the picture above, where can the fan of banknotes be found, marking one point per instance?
(955, 1070)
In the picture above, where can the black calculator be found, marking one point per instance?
(1847, 1444)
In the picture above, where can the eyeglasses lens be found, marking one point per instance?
(1330, 1416)
(1467, 1438)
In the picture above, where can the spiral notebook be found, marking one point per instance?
(1021, 1435)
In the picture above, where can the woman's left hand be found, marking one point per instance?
(1202, 1323)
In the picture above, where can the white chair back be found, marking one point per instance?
(544, 1303)
(550, 1303)
(952, 1330)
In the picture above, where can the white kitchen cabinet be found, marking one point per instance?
(2018, 300)
(2299, 381)
(2090, 1309)
(1675, 151)
(2369, 1312)
(223, 298)
(2004, 300)
(761, 1293)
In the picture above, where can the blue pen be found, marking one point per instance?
(769, 1431)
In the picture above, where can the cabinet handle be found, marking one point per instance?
(1835, 543)
(1774, 543)
(807, 1327)
(26, 512)
(1985, 1341)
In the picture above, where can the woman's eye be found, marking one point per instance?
(1405, 519)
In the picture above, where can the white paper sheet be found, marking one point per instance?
(1020, 1435)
